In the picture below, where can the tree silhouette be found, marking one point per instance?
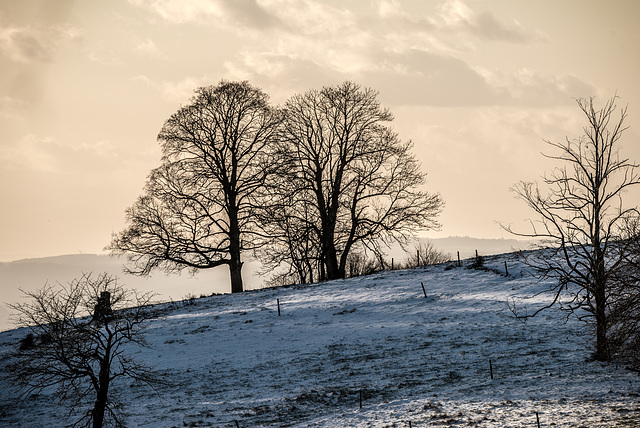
(581, 218)
(77, 343)
(199, 207)
(358, 182)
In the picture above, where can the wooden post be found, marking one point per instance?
(459, 263)
(418, 256)
(278, 300)
(392, 263)
(506, 269)
(424, 291)
(491, 369)
(237, 424)
(361, 399)
(476, 254)
(538, 419)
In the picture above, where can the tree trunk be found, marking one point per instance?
(102, 394)
(323, 272)
(331, 260)
(602, 346)
(235, 269)
(599, 272)
(235, 263)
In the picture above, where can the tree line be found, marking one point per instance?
(305, 187)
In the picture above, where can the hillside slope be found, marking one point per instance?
(374, 342)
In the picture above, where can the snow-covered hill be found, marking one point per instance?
(369, 352)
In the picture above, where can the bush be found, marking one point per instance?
(358, 265)
(425, 254)
(28, 342)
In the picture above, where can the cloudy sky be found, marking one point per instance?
(476, 84)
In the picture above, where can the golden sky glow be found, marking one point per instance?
(85, 87)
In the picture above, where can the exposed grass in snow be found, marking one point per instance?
(373, 340)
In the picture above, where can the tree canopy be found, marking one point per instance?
(350, 182)
(198, 209)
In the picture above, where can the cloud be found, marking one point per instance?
(412, 59)
(180, 90)
(30, 153)
(250, 12)
(87, 159)
(533, 88)
(452, 27)
(180, 12)
(219, 12)
(12, 108)
(34, 44)
(456, 16)
(412, 77)
(313, 18)
(148, 48)
(485, 25)
(423, 78)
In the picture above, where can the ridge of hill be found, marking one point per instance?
(370, 351)
(32, 273)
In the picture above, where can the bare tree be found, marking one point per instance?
(77, 343)
(424, 254)
(352, 173)
(199, 207)
(581, 216)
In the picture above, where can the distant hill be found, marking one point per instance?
(486, 247)
(30, 274)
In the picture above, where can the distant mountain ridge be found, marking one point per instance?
(486, 247)
(31, 274)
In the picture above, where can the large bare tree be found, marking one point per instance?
(199, 207)
(359, 184)
(77, 343)
(581, 217)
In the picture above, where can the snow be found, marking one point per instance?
(374, 342)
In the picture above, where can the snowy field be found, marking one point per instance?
(368, 352)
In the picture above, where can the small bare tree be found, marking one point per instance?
(424, 254)
(78, 334)
(580, 219)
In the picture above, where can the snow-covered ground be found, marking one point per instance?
(369, 352)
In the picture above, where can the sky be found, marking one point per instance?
(477, 85)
